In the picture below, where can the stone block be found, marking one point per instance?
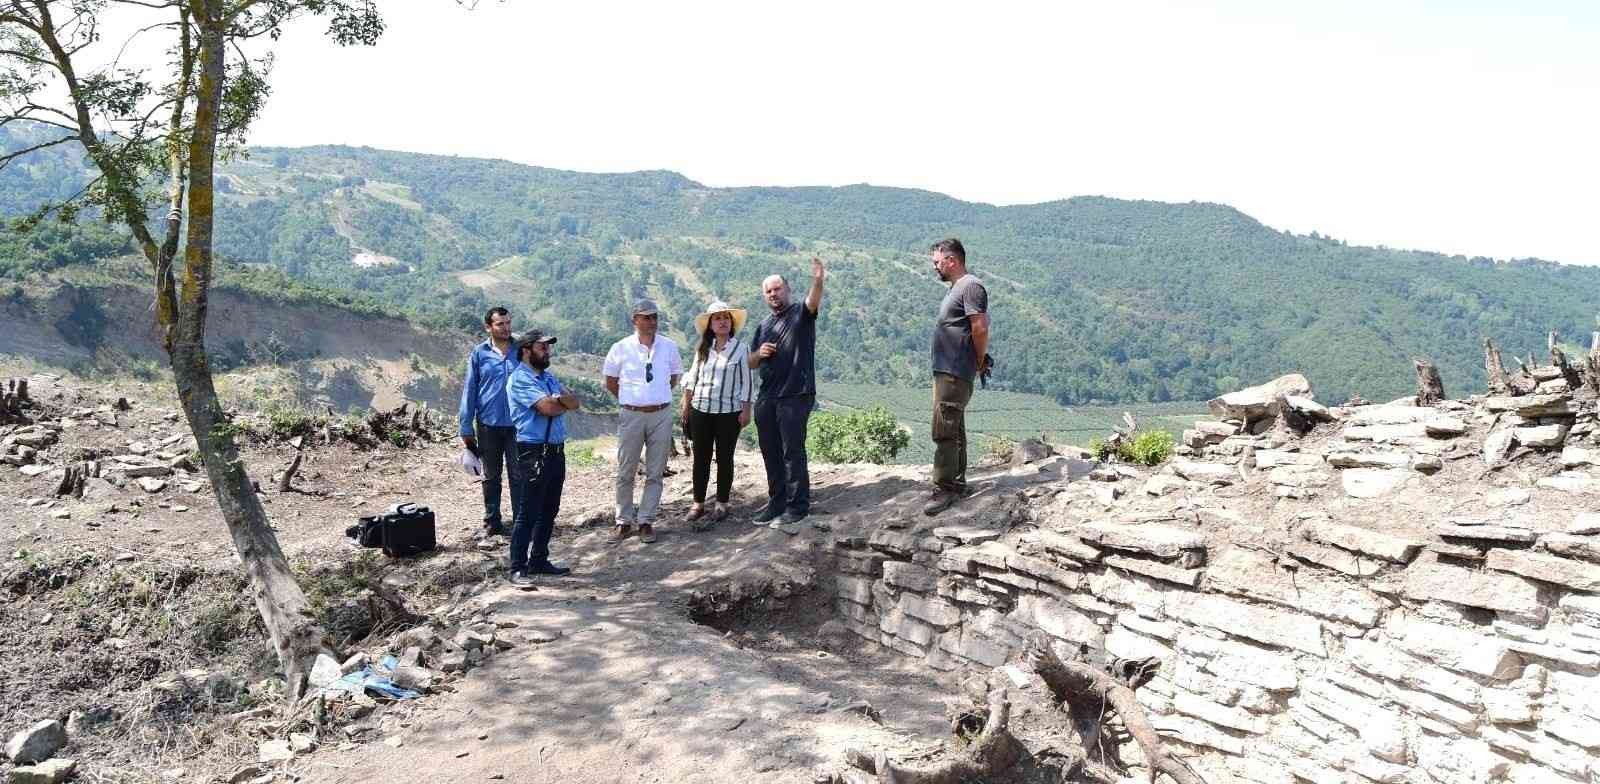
(1507, 706)
(1374, 482)
(1454, 760)
(1534, 405)
(1546, 568)
(1228, 716)
(1540, 748)
(1069, 547)
(1273, 458)
(1586, 548)
(1136, 592)
(53, 771)
(895, 543)
(965, 591)
(1542, 436)
(865, 563)
(1377, 544)
(1269, 670)
(1126, 644)
(936, 612)
(910, 577)
(1045, 571)
(1568, 482)
(1336, 559)
(1376, 459)
(855, 589)
(992, 555)
(976, 648)
(967, 534)
(1467, 529)
(1197, 733)
(1578, 457)
(1578, 730)
(1059, 620)
(1162, 541)
(1385, 662)
(1206, 473)
(1165, 572)
(1004, 582)
(1585, 523)
(1457, 649)
(1434, 581)
(37, 743)
(1385, 433)
(1263, 625)
(1258, 401)
(1497, 446)
(1253, 574)
(959, 560)
(1165, 630)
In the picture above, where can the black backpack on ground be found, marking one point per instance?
(402, 530)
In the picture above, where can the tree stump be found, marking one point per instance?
(990, 753)
(1495, 369)
(1430, 388)
(13, 399)
(1093, 686)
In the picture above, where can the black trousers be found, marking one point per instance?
(708, 433)
(544, 473)
(497, 446)
(781, 428)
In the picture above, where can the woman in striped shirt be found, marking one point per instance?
(716, 402)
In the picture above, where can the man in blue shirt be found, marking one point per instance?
(486, 427)
(538, 406)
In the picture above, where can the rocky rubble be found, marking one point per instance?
(1297, 639)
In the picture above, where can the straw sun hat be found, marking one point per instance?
(714, 308)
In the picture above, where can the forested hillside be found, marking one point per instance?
(1094, 299)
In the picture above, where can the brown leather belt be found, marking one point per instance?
(646, 409)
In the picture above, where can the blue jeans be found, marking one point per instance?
(497, 446)
(544, 471)
(781, 429)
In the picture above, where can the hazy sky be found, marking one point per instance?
(1464, 127)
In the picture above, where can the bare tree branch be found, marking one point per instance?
(6, 158)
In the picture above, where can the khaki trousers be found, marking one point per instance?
(950, 397)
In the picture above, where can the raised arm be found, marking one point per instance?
(814, 296)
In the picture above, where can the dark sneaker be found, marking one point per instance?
(620, 532)
(647, 533)
(768, 514)
(790, 518)
(495, 530)
(522, 579)
(549, 568)
(942, 500)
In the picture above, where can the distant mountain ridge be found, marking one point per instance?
(1094, 299)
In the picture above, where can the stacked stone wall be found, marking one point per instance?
(1413, 669)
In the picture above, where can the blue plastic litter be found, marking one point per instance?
(365, 679)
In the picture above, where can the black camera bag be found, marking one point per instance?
(403, 530)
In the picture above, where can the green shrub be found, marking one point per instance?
(1147, 447)
(996, 447)
(870, 436)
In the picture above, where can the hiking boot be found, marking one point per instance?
(521, 579)
(620, 532)
(942, 500)
(647, 533)
(767, 515)
(545, 567)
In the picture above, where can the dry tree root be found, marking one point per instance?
(993, 751)
(1091, 694)
(286, 483)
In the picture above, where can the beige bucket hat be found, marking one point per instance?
(714, 308)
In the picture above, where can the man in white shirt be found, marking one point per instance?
(641, 371)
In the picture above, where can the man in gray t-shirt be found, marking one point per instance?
(960, 349)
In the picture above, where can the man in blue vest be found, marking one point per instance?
(538, 406)
(486, 427)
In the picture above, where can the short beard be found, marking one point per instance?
(539, 363)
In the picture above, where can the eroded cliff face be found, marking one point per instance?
(1401, 594)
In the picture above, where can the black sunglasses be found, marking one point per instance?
(648, 375)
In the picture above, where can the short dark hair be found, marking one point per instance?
(488, 318)
(952, 246)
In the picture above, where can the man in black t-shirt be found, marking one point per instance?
(783, 348)
(960, 352)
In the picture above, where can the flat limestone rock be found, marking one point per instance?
(1388, 458)
(1578, 457)
(1361, 540)
(1542, 436)
(1374, 482)
(1568, 482)
(1534, 405)
(1434, 581)
(1214, 473)
(1162, 541)
(1585, 523)
(1497, 446)
(1257, 401)
(1547, 568)
(1385, 433)
(1252, 574)
(1491, 533)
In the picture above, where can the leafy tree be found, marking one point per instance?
(869, 436)
(137, 133)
